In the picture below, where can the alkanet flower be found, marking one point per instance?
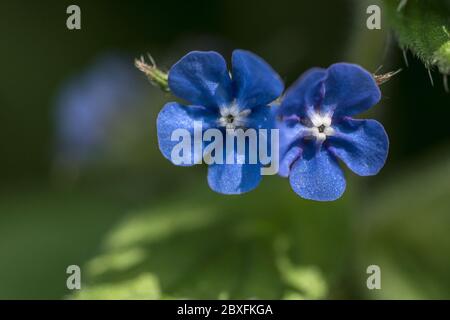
(316, 129)
(220, 100)
(91, 108)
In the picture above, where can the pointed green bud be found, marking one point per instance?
(156, 76)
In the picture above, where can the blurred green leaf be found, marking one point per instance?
(210, 246)
(308, 281)
(43, 230)
(405, 231)
(142, 287)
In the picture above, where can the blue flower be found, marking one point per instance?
(90, 105)
(316, 129)
(220, 100)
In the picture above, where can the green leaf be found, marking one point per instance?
(43, 230)
(145, 286)
(215, 247)
(422, 26)
(405, 231)
(308, 281)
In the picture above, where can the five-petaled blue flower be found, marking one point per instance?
(222, 101)
(316, 129)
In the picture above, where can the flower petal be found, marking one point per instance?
(349, 90)
(362, 144)
(175, 116)
(291, 135)
(201, 78)
(287, 159)
(262, 117)
(255, 83)
(304, 94)
(317, 176)
(234, 178)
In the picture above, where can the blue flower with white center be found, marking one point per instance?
(223, 101)
(316, 129)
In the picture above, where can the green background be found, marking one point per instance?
(142, 228)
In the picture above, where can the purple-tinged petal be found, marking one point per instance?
(304, 94)
(362, 144)
(255, 83)
(233, 178)
(317, 176)
(292, 133)
(349, 90)
(175, 117)
(290, 156)
(201, 78)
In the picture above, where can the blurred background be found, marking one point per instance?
(83, 182)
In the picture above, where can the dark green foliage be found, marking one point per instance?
(423, 26)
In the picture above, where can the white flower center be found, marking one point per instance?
(231, 117)
(321, 126)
